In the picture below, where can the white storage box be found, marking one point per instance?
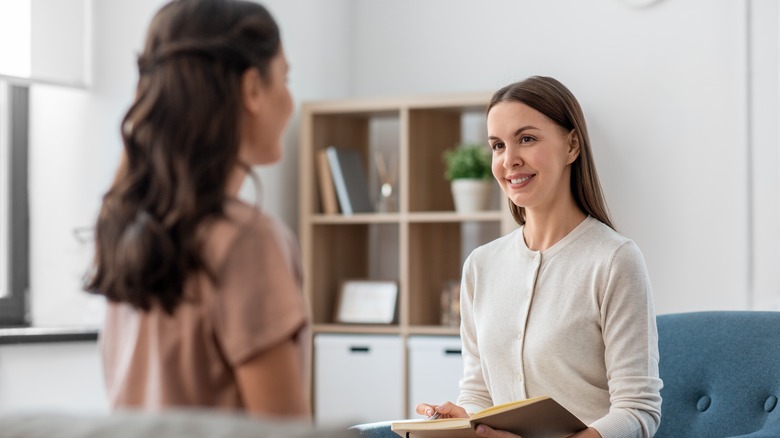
(357, 378)
(435, 368)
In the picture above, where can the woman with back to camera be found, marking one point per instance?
(562, 306)
(205, 308)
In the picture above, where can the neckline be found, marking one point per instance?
(575, 233)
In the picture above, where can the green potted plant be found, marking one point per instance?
(467, 167)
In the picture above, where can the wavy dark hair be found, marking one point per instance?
(181, 141)
(554, 100)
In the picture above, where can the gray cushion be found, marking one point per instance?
(171, 424)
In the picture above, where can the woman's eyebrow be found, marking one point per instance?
(516, 133)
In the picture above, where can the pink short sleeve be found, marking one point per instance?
(258, 301)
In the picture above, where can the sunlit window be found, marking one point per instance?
(16, 38)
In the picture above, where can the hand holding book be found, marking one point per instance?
(538, 417)
(444, 410)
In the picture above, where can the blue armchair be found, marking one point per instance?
(721, 373)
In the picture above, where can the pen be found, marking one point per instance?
(434, 416)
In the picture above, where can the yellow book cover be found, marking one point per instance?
(538, 417)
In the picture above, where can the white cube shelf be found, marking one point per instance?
(357, 378)
(435, 368)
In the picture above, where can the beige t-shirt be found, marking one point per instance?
(152, 360)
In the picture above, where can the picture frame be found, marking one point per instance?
(367, 302)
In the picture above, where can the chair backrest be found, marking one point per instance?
(721, 374)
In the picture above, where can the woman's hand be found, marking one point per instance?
(587, 433)
(487, 432)
(445, 410)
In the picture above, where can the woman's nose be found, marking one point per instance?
(512, 158)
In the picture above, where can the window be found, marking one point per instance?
(14, 211)
(45, 41)
(41, 42)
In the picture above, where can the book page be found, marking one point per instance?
(507, 406)
(438, 424)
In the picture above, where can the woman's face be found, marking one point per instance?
(531, 155)
(268, 106)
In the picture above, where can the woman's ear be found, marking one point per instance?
(251, 90)
(574, 146)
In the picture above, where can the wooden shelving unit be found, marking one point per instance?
(421, 243)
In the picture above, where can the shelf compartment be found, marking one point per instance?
(431, 132)
(434, 260)
(348, 252)
(367, 133)
(437, 253)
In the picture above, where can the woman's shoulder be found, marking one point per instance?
(600, 239)
(249, 219)
(242, 223)
(598, 232)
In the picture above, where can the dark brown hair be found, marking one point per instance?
(181, 140)
(554, 100)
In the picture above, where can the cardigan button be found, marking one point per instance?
(770, 404)
(704, 403)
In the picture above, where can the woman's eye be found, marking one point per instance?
(526, 139)
(497, 145)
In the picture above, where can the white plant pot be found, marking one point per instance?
(470, 195)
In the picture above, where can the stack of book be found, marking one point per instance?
(343, 183)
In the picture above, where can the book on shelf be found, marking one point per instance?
(537, 417)
(327, 189)
(349, 179)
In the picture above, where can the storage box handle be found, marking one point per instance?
(449, 351)
(359, 349)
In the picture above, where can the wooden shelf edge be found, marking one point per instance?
(357, 329)
(414, 217)
(368, 329)
(452, 216)
(362, 218)
(432, 330)
(476, 101)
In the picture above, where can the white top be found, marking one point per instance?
(575, 322)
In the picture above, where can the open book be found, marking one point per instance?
(538, 417)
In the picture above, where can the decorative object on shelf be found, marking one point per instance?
(346, 167)
(450, 304)
(468, 168)
(367, 302)
(387, 189)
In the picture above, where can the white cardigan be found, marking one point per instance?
(575, 322)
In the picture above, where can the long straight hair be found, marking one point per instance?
(181, 141)
(554, 100)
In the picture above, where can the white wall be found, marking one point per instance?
(764, 89)
(51, 377)
(664, 92)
